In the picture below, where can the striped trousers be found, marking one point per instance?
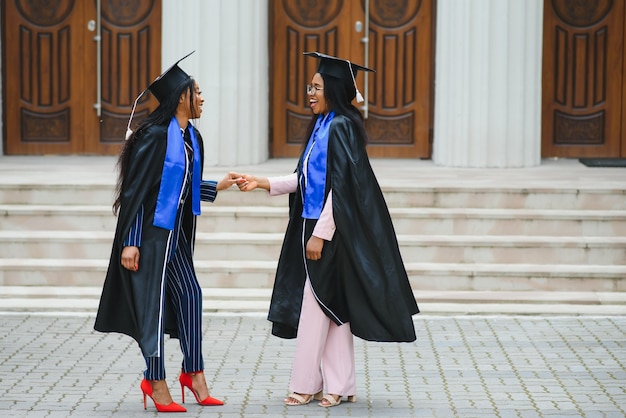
(183, 289)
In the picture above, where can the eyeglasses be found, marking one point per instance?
(311, 90)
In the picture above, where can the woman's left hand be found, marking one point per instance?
(314, 248)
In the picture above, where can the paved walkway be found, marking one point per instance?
(55, 365)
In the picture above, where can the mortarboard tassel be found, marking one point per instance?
(359, 96)
(129, 131)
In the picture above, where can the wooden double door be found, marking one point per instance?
(399, 47)
(584, 79)
(73, 69)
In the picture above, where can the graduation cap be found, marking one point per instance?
(162, 86)
(339, 68)
(169, 81)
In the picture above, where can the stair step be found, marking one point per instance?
(85, 299)
(513, 249)
(424, 221)
(99, 217)
(266, 247)
(260, 274)
(485, 196)
(409, 195)
(481, 221)
(102, 194)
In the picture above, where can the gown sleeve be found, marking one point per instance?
(208, 190)
(133, 239)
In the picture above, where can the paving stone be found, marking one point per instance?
(505, 366)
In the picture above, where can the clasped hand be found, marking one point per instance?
(228, 180)
(245, 182)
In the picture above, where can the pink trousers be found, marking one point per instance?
(324, 352)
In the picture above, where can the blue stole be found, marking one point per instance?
(314, 186)
(173, 175)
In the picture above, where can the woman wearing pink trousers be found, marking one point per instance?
(340, 272)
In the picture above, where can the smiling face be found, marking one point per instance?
(317, 101)
(193, 106)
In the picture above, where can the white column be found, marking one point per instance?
(231, 65)
(2, 144)
(488, 83)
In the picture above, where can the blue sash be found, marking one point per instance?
(315, 183)
(173, 175)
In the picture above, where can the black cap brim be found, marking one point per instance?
(337, 67)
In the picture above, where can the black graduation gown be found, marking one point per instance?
(360, 278)
(131, 301)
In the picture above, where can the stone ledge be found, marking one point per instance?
(233, 300)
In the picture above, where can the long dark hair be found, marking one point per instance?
(160, 116)
(339, 96)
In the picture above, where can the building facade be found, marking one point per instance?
(476, 83)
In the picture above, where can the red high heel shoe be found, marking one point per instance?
(146, 388)
(185, 381)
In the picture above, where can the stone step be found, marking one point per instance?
(409, 195)
(424, 221)
(503, 197)
(260, 274)
(544, 229)
(256, 300)
(101, 218)
(473, 249)
(500, 249)
(482, 221)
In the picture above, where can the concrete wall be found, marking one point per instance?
(488, 83)
(1, 98)
(231, 66)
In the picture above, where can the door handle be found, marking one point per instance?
(96, 26)
(365, 41)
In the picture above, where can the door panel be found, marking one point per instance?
(582, 78)
(51, 73)
(298, 27)
(400, 92)
(42, 70)
(131, 59)
(401, 50)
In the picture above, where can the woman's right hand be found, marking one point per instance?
(314, 247)
(130, 258)
(250, 183)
